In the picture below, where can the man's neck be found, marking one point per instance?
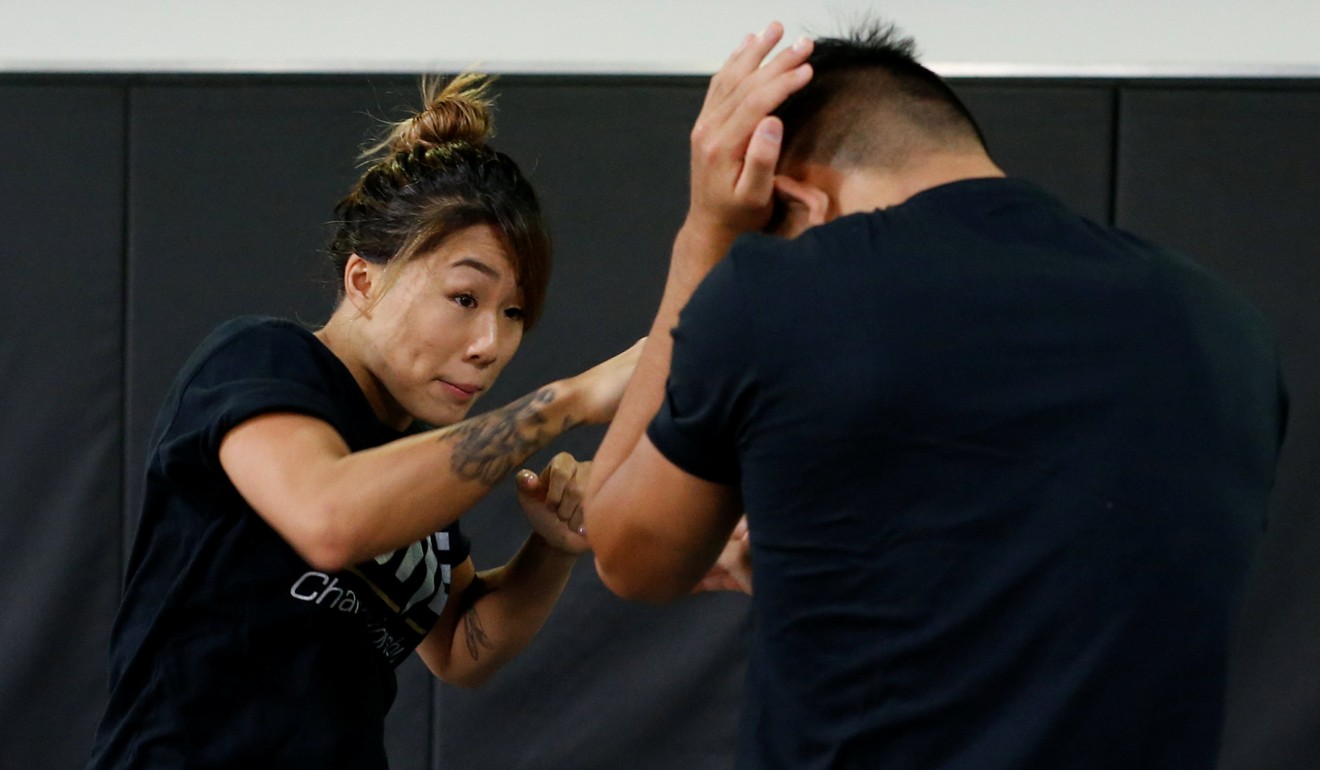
(867, 190)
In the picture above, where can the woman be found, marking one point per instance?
(300, 532)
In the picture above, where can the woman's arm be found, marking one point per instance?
(493, 615)
(338, 508)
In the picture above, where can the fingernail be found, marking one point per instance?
(772, 131)
(761, 35)
(582, 531)
(526, 478)
(802, 44)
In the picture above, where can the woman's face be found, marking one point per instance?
(441, 334)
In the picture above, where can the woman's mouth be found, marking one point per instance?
(461, 391)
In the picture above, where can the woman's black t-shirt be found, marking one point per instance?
(229, 650)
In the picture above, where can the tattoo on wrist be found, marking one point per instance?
(487, 447)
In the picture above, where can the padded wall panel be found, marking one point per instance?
(231, 183)
(230, 186)
(230, 180)
(607, 684)
(1228, 175)
(61, 393)
(1060, 137)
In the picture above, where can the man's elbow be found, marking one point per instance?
(627, 583)
(626, 546)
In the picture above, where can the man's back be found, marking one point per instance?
(1003, 470)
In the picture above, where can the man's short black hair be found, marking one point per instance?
(871, 103)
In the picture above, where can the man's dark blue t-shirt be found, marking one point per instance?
(229, 650)
(1003, 469)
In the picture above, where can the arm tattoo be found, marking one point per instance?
(473, 632)
(487, 447)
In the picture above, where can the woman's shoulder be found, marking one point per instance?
(255, 341)
(252, 351)
(258, 330)
(250, 365)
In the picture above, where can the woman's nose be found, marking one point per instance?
(484, 344)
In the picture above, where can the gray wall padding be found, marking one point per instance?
(61, 404)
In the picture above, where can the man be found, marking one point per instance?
(1003, 466)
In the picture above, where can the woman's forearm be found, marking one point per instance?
(502, 610)
(395, 494)
(338, 508)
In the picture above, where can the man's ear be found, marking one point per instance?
(807, 204)
(361, 283)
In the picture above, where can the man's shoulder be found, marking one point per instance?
(842, 236)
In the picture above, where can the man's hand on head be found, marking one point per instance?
(736, 141)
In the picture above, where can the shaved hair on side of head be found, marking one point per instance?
(870, 104)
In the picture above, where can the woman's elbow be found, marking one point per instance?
(322, 542)
(454, 673)
(466, 680)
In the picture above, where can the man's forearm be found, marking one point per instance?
(696, 251)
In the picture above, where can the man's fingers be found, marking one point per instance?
(757, 180)
(730, 86)
(744, 60)
(737, 87)
(788, 58)
(733, 56)
(761, 96)
(730, 138)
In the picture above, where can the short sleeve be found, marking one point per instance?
(711, 378)
(455, 546)
(249, 371)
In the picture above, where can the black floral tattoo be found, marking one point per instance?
(488, 446)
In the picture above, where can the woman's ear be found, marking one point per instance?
(361, 280)
(805, 205)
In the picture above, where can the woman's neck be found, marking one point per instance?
(341, 337)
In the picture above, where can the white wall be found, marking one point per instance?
(1029, 37)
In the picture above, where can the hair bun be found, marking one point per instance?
(459, 110)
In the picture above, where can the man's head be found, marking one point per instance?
(871, 110)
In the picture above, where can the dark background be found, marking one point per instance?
(137, 212)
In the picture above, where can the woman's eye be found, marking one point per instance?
(515, 314)
(465, 300)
